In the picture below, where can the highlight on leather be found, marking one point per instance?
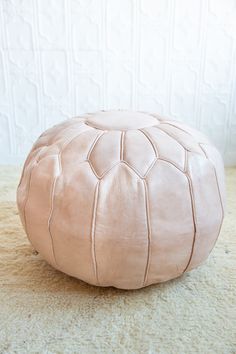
(121, 198)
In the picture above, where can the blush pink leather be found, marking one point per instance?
(123, 199)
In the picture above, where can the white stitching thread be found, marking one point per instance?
(190, 184)
(93, 231)
(149, 233)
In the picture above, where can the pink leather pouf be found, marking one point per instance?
(123, 199)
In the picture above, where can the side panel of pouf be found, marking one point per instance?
(207, 207)
(71, 224)
(171, 222)
(38, 206)
(121, 232)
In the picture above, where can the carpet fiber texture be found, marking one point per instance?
(45, 311)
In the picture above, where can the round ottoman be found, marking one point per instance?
(123, 199)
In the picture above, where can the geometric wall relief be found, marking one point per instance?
(59, 59)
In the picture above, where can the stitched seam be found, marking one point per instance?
(185, 160)
(150, 167)
(171, 163)
(217, 182)
(175, 126)
(65, 130)
(28, 189)
(173, 137)
(150, 140)
(185, 131)
(133, 169)
(93, 230)
(94, 143)
(52, 205)
(194, 218)
(149, 233)
(29, 184)
(122, 146)
(27, 197)
(93, 170)
(157, 153)
(25, 165)
(66, 143)
(109, 169)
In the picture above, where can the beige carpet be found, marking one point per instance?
(45, 311)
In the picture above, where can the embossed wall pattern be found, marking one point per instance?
(61, 58)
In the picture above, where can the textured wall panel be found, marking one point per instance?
(60, 58)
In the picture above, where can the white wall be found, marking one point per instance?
(60, 58)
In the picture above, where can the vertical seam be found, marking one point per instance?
(122, 146)
(93, 231)
(193, 215)
(149, 233)
(217, 182)
(66, 143)
(34, 163)
(27, 197)
(52, 205)
(218, 188)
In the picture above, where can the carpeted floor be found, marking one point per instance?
(45, 311)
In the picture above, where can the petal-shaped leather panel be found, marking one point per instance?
(207, 207)
(138, 152)
(121, 235)
(196, 134)
(78, 150)
(167, 148)
(171, 222)
(106, 152)
(56, 132)
(187, 141)
(71, 225)
(38, 205)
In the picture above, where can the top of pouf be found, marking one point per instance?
(121, 120)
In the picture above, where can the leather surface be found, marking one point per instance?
(122, 199)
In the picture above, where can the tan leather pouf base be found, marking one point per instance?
(123, 199)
